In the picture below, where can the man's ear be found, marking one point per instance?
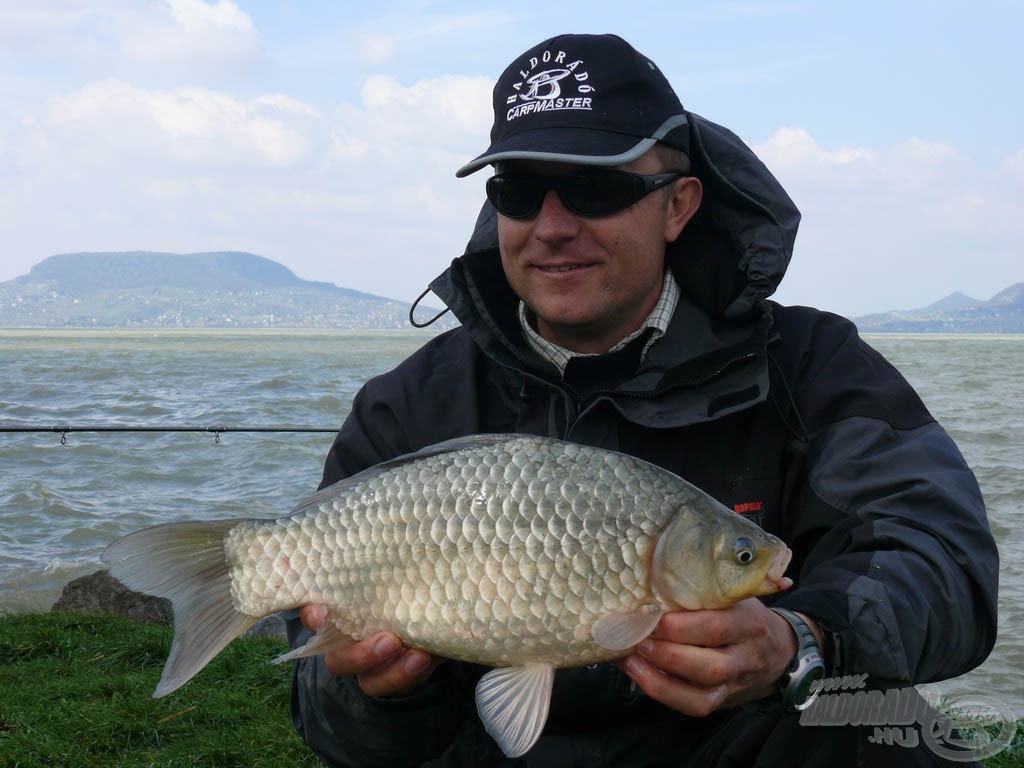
(682, 204)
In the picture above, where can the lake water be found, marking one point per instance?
(60, 505)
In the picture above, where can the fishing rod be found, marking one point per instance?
(65, 429)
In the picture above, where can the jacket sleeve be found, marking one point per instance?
(898, 561)
(344, 726)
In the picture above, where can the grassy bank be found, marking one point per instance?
(75, 692)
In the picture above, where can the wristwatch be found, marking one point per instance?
(805, 669)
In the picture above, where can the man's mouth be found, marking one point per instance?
(560, 267)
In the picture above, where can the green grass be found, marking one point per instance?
(75, 692)
(1012, 756)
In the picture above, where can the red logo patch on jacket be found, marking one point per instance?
(749, 507)
(753, 511)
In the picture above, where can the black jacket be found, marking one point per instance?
(782, 413)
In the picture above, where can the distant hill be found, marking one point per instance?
(233, 289)
(957, 313)
(229, 289)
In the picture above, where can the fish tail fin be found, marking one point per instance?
(185, 563)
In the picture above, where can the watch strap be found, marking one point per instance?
(808, 657)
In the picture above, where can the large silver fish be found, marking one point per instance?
(519, 552)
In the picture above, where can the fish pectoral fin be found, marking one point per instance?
(328, 638)
(513, 703)
(621, 631)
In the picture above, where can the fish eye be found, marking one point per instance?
(743, 551)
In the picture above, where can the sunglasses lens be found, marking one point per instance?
(593, 193)
(518, 197)
(599, 194)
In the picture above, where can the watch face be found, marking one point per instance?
(805, 669)
(803, 693)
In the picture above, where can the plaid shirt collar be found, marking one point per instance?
(657, 321)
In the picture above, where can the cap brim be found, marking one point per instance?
(582, 146)
(571, 145)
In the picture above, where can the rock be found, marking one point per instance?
(101, 593)
(270, 626)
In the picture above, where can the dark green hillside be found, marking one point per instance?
(143, 289)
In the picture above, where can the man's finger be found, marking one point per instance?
(711, 629)
(680, 695)
(364, 655)
(398, 675)
(313, 617)
(703, 666)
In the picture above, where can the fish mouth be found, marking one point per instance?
(777, 568)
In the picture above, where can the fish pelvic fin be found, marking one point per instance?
(513, 703)
(326, 639)
(185, 563)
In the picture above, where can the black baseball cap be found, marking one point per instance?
(584, 99)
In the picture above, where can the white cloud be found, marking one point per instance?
(895, 226)
(796, 148)
(193, 126)
(389, 186)
(188, 29)
(212, 38)
(410, 139)
(424, 130)
(335, 196)
(412, 34)
(21, 22)
(1014, 166)
(373, 48)
(448, 109)
(6, 161)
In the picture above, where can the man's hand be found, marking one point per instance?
(381, 664)
(699, 661)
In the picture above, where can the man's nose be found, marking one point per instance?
(554, 220)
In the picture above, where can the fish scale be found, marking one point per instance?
(519, 552)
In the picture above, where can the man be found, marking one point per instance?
(619, 298)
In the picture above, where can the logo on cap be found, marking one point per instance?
(540, 91)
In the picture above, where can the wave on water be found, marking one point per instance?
(67, 565)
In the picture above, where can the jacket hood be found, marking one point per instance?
(733, 253)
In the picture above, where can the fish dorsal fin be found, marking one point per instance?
(621, 631)
(513, 703)
(326, 639)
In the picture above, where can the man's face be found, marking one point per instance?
(590, 281)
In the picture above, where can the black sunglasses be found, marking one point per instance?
(588, 193)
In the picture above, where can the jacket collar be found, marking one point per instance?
(699, 370)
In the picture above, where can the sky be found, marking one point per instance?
(326, 135)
